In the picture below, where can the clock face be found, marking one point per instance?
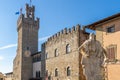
(27, 53)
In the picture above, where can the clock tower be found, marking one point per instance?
(27, 28)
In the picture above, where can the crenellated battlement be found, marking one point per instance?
(26, 20)
(64, 32)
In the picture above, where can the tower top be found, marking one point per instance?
(30, 11)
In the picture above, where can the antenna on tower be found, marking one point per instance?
(30, 2)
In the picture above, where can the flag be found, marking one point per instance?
(17, 13)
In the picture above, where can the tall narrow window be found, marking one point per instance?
(56, 52)
(56, 72)
(39, 74)
(36, 74)
(46, 56)
(68, 71)
(28, 48)
(111, 51)
(67, 48)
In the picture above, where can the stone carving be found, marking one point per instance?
(93, 59)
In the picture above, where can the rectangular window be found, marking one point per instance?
(111, 51)
(46, 56)
(111, 29)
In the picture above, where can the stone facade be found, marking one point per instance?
(107, 32)
(27, 28)
(60, 52)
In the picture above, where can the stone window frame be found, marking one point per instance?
(56, 72)
(56, 52)
(110, 54)
(68, 71)
(68, 48)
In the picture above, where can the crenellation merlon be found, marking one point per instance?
(69, 30)
(64, 32)
(73, 28)
(58, 34)
(77, 27)
(61, 32)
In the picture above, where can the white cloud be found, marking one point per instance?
(44, 38)
(14, 45)
(8, 46)
(1, 58)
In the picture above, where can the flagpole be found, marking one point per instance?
(20, 10)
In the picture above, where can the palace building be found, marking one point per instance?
(59, 57)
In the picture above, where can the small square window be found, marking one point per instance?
(111, 29)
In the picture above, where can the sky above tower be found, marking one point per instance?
(54, 15)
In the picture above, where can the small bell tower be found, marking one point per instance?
(30, 11)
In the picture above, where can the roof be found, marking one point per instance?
(9, 73)
(36, 53)
(93, 25)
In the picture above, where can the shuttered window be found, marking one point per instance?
(111, 52)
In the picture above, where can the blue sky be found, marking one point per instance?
(54, 16)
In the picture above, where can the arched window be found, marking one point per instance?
(67, 48)
(56, 72)
(68, 71)
(56, 52)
